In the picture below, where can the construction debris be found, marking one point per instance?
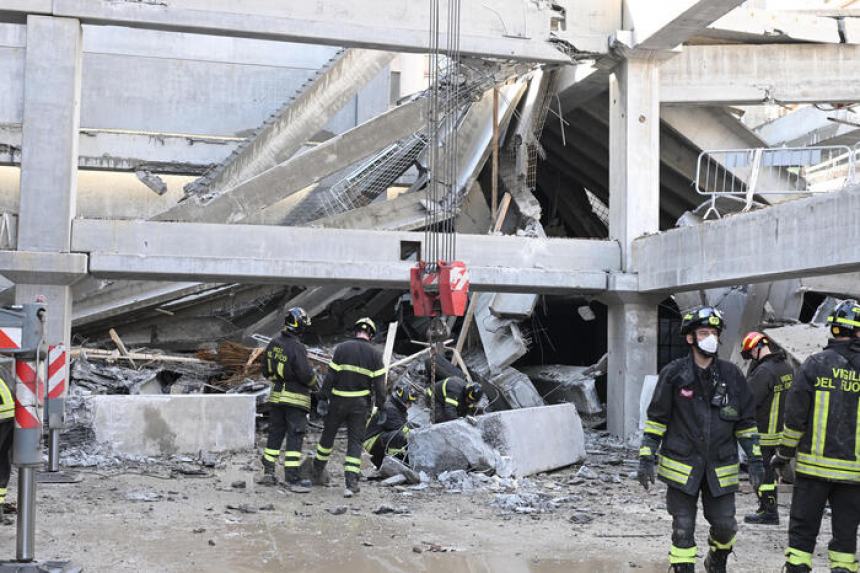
(558, 384)
(503, 443)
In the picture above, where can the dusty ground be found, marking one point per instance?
(119, 519)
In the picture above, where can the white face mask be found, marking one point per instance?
(709, 344)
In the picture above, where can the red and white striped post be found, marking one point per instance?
(55, 402)
(28, 419)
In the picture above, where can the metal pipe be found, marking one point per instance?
(26, 514)
(53, 450)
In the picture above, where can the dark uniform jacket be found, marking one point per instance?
(355, 370)
(769, 380)
(451, 400)
(285, 363)
(821, 414)
(700, 440)
(395, 419)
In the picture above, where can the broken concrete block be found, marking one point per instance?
(510, 385)
(392, 467)
(827, 306)
(536, 439)
(516, 306)
(799, 341)
(514, 442)
(502, 339)
(560, 383)
(450, 446)
(166, 425)
(393, 480)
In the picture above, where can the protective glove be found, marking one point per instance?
(646, 474)
(756, 473)
(779, 461)
(381, 418)
(322, 408)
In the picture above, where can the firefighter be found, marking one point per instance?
(769, 378)
(355, 375)
(285, 363)
(822, 428)
(702, 409)
(455, 398)
(7, 431)
(388, 428)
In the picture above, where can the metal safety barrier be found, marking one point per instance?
(742, 174)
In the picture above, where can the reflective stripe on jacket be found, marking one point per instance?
(355, 371)
(286, 364)
(700, 440)
(822, 414)
(769, 381)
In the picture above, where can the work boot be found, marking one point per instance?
(767, 513)
(268, 474)
(319, 474)
(352, 486)
(715, 562)
(789, 568)
(682, 568)
(295, 483)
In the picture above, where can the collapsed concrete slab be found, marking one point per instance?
(519, 442)
(502, 339)
(799, 341)
(167, 425)
(510, 385)
(560, 384)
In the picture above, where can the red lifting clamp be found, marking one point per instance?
(446, 290)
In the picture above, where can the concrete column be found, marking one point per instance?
(49, 160)
(634, 153)
(634, 210)
(632, 343)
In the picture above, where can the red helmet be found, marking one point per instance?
(752, 341)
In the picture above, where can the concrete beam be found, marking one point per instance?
(674, 22)
(717, 253)
(509, 30)
(809, 126)
(748, 75)
(37, 267)
(303, 170)
(750, 25)
(244, 254)
(282, 135)
(123, 151)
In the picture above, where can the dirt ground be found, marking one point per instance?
(149, 518)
